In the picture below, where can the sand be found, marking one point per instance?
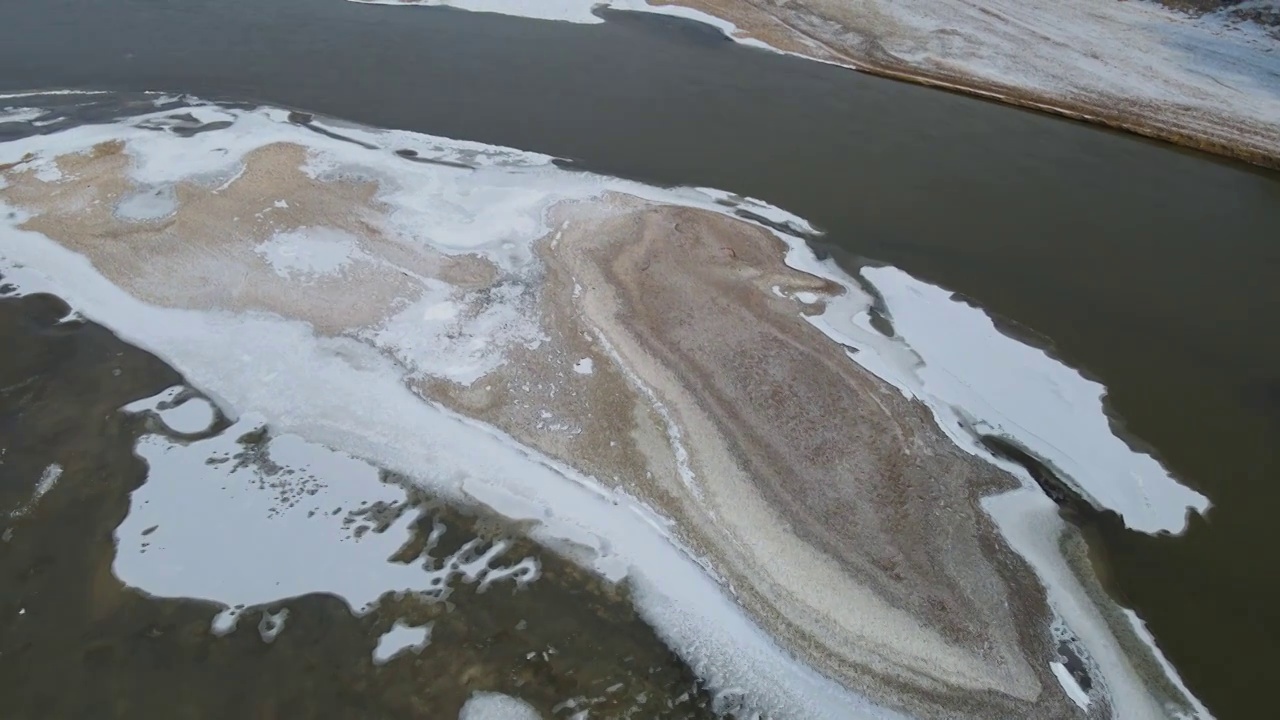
(670, 359)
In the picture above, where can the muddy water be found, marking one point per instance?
(1151, 269)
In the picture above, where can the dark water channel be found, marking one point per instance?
(1154, 270)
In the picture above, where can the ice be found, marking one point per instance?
(230, 538)
(17, 115)
(401, 638)
(188, 416)
(148, 204)
(272, 624)
(496, 706)
(1069, 684)
(222, 520)
(52, 473)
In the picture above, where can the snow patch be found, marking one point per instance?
(1069, 685)
(460, 337)
(244, 521)
(148, 204)
(401, 638)
(17, 115)
(496, 706)
(272, 624)
(979, 381)
(188, 415)
(310, 252)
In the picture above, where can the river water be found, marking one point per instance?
(1151, 269)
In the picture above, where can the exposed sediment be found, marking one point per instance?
(670, 360)
(842, 516)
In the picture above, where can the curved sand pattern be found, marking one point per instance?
(809, 479)
(838, 513)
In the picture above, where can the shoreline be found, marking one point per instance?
(1106, 86)
(1261, 156)
(879, 62)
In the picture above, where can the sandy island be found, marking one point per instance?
(669, 358)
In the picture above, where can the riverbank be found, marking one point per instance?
(1209, 81)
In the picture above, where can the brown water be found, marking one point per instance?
(1152, 269)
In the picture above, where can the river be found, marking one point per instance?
(1151, 269)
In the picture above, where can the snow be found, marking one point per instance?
(585, 366)
(47, 480)
(240, 539)
(978, 381)
(401, 638)
(148, 204)
(189, 416)
(310, 252)
(244, 535)
(496, 706)
(240, 527)
(17, 115)
(272, 624)
(1199, 74)
(973, 374)
(193, 416)
(223, 534)
(1033, 526)
(1069, 684)
(460, 337)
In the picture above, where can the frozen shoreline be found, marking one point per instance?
(333, 401)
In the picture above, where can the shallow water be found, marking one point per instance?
(1151, 269)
